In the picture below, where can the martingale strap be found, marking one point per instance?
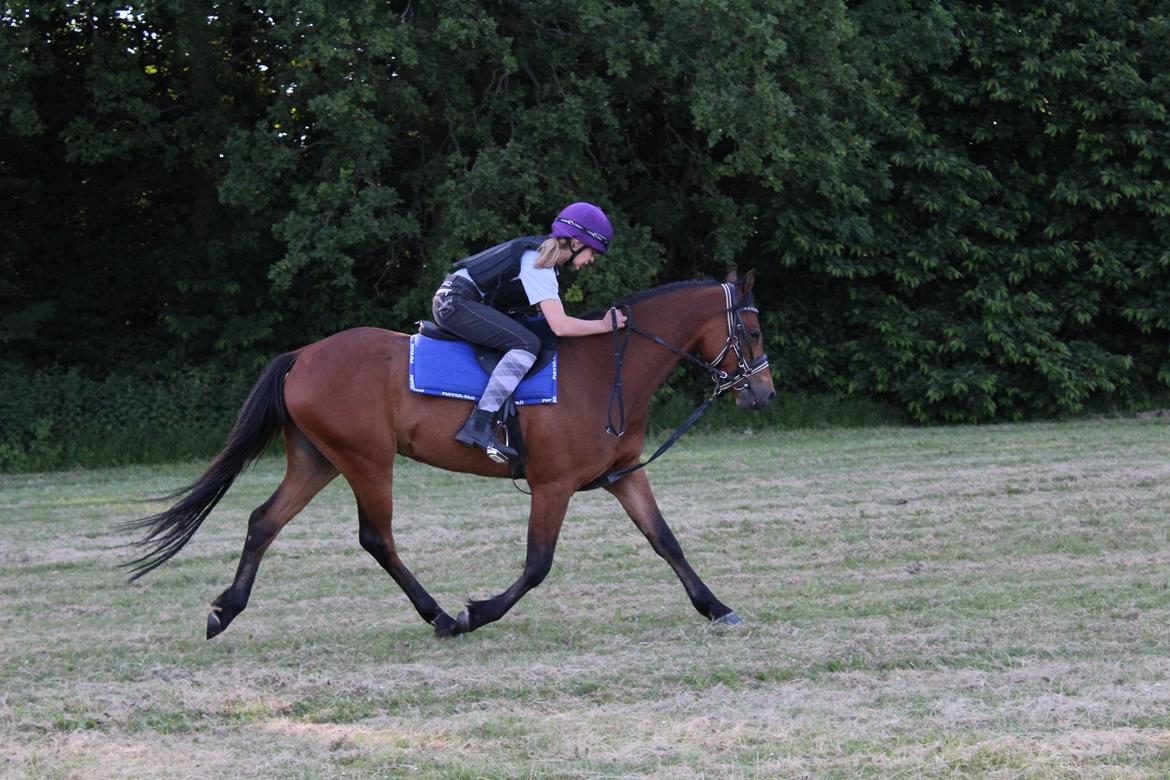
(614, 476)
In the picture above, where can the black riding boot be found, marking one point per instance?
(480, 431)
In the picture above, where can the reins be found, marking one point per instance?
(617, 392)
(722, 379)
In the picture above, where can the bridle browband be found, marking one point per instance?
(746, 367)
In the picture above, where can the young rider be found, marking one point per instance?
(472, 301)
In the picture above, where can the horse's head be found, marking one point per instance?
(734, 345)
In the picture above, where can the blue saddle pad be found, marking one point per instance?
(449, 368)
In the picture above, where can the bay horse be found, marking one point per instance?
(343, 406)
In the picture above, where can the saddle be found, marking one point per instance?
(441, 363)
(488, 358)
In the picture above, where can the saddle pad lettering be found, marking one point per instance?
(449, 368)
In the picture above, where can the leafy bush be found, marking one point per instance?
(58, 418)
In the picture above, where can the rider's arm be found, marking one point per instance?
(564, 325)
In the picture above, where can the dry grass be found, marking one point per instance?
(983, 602)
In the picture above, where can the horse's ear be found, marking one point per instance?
(731, 276)
(745, 287)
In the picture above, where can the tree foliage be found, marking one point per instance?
(1021, 263)
(959, 207)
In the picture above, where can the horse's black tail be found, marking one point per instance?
(264, 414)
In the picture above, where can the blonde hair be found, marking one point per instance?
(550, 252)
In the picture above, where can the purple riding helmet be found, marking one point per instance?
(586, 223)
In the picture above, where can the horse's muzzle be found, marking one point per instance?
(754, 398)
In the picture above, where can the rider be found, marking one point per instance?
(472, 301)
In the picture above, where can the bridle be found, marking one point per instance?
(746, 366)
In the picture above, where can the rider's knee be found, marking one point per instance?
(531, 344)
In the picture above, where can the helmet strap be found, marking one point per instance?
(577, 251)
(567, 243)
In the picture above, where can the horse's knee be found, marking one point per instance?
(669, 549)
(537, 569)
(373, 542)
(664, 543)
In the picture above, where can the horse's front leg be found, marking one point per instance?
(549, 503)
(633, 491)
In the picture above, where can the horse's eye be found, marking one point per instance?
(755, 334)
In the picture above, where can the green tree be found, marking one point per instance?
(111, 162)
(1020, 265)
(958, 207)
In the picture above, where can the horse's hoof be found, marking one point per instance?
(730, 619)
(463, 623)
(444, 626)
(214, 627)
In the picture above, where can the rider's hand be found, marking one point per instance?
(621, 318)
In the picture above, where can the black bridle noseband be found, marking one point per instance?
(747, 366)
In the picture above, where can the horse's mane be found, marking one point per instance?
(664, 289)
(658, 292)
(645, 295)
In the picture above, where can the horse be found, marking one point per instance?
(342, 406)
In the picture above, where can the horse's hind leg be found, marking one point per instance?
(307, 473)
(375, 511)
(633, 491)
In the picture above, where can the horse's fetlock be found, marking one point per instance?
(445, 627)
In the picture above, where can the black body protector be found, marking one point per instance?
(496, 272)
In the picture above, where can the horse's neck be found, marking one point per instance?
(677, 320)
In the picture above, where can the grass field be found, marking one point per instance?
(946, 602)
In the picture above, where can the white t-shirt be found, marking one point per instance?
(540, 284)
